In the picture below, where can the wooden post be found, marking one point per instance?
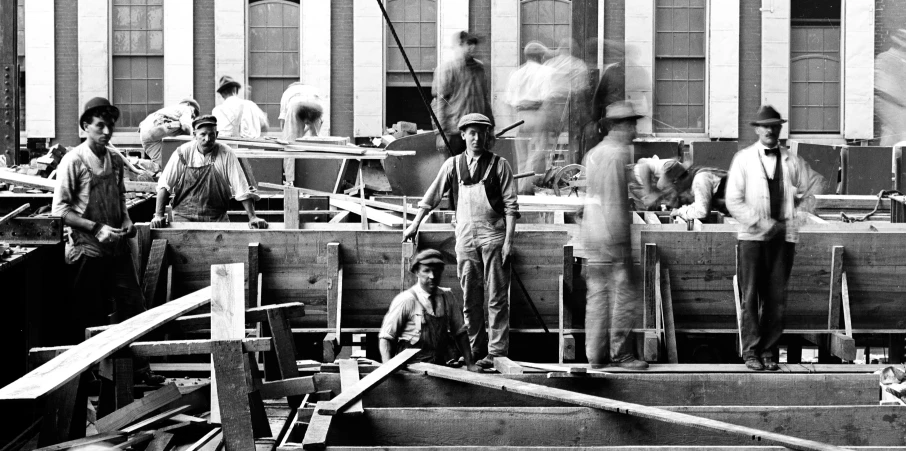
(232, 390)
(361, 184)
(290, 208)
(836, 280)
(157, 264)
(567, 340)
(254, 273)
(124, 386)
(284, 349)
(650, 258)
(227, 316)
(349, 377)
(331, 340)
(669, 325)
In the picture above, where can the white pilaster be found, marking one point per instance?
(39, 65)
(505, 53)
(640, 58)
(178, 49)
(858, 69)
(314, 51)
(368, 62)
(775, 58)
(229, 42)
(600, 37)
(723, 70)
(453, 17)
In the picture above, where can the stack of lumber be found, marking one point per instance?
(31, 182)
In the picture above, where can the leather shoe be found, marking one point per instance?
(487, 362)
(754, 364)
(632, 363)
(770, 364)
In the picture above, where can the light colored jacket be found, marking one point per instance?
(748, 199)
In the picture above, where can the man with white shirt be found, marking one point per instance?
(301, 114)
(237, 117)
(528, 90)
(768, 191)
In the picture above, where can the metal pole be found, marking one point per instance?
(414, 77)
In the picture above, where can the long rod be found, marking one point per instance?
(414, 77)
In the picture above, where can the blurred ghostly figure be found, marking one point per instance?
(612, 86)
(568, 106)
(460, 88)
(651, 182)
(300, 115)
(528, 89)
(890, 91)
(611, 309)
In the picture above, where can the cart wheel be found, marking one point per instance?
(568, 180)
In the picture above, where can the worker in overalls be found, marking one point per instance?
(482, 189)
(91, 200)
(426, 316)
(202, 176)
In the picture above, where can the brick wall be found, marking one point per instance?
(614, 28)
(66, 61)
(480, 24)
(203, 42)
(749, 68)
(341, 68)
(890, 15)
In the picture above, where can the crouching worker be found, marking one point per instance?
(202, 176)
(426, 316)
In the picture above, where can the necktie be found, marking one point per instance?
(775, 152)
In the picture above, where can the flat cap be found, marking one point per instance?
(473, 119)
(426, 257)
(201, 121)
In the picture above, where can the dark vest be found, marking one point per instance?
(491, 185)
(775, 189)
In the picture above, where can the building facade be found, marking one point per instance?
(700, 67)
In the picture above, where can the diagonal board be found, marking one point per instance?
(72, 363)
(347, 397)
(654, 413)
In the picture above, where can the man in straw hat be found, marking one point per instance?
(768, 188)
(426, 316)
(612, 311)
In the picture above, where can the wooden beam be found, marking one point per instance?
(108, 438)
(290, 207)
(369, 212)
(232, 394)
(160, 441)
(72, 363)
(842, 346)
(346, 398)
(227, 316)
(835, 304)
(567, 349)
(316, 433)
(157, 262)
(193, 347)
(254, 299)
(28, 181)
(504, 365)
(331, 341)
(252, 315)
(284, 349)
(205, 439)
(287, 387)
(349, 377)
(844, 298)
(339, 217)
(554, 368)
(154, 420)
(654, 413)
(652, 218)
(637, 219)
(650, 260)
(669, 325)
(139, 408)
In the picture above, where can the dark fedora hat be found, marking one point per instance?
(96, 106)
(227, 82)
(767, 115)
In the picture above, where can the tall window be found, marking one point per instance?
(679, 66)
(273, 52)
(545, 21)
(20, 44)
(815, 67)
(415, 22)
(138, 59)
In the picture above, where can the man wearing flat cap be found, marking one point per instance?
(426, 316)
(91, 200)
(173, 120)
(612, 307)
(482, 190)
(202, 175)
(769, 190)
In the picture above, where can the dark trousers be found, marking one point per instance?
(104, 290)
(763, 270)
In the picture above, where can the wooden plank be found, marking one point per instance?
(316, 433)
(287, 387)
(193, 347)
(227, 315)
(108, 438)
(844, 298)
(59, 410)
(134, 440)
(156, 262)
(346, 398)
(124, 382)
(154, 420)
(649, 265)
(567, 342)
(349, 377)
(360, 180)
(160, 441)
(139, 408)
(28, 181)
(504, 365)
(652, 218)
(7, 217)
(843, 346)
(333, 286)
(555, 368)
(637, 218)
(205, 439)
(284, 349)
(290, 208)
(252, 315)
(835, 304)
(254, 276)
(72, 363)
(369, 212)
(232, 394)
(625, 408)
(669, 325)
(339, 315)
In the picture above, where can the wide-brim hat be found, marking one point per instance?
(201, 121)
(622, 110)
(426, 257)
(227, 82)
(767, 115)
(473, 119)
(673, 170)
(191, 102)
(96, 105)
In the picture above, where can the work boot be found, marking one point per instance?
(631, 363)
(149, 378)
(486, 362)
(754, 364)
(770, 364)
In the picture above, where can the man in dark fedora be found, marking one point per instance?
(91, 199)
(769, 190)
(237, 117)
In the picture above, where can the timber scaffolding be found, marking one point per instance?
(846, 289)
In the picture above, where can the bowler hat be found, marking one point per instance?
(621, 110)
(767, 115)
(426, 257)
(468, 38)
(227, 82)
(192, 103)
(201, 121)
(97, 106)
(473, 119)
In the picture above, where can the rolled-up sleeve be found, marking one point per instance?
(508, 189)
(170, 175)
(71, 194)
(395, 320)
(702, 189)
(239, 184)
(439, 187)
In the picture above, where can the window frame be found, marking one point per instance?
(810, 136)
(274, 128)
(707, 81)
(438, 43)
(520, 56)
(122, 130)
